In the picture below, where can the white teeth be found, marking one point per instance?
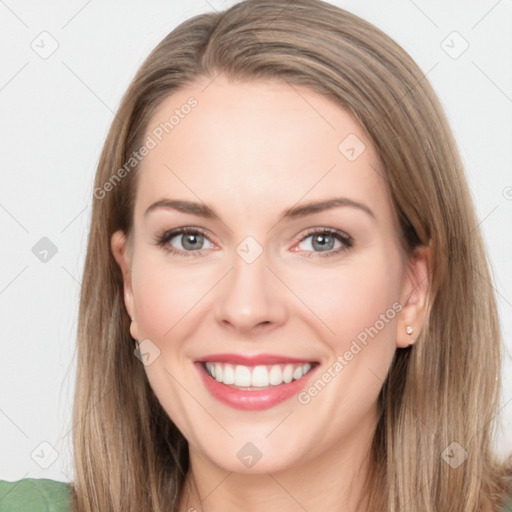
(242, 376)
(229, 374)
(297, 374)
(288, 373)
(256, 376)
(276, 375)
(218, 372)
(211, 369)
(260, 377)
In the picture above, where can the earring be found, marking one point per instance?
(409, 330)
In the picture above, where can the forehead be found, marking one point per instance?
(241, 143)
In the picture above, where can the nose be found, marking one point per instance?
(251, 298)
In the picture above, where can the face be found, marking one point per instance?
(257, 274)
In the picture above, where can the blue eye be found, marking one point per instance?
(192, 240)
(323, 242)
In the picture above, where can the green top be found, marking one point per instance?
(34, 495)
(43, 495)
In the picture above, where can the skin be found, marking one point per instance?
(250, 150)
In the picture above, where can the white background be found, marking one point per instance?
(55, 116)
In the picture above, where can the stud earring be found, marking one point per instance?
(409, 330)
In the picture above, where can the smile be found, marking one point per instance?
(255, 387)
(260, 376)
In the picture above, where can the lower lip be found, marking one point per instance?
(252, 400)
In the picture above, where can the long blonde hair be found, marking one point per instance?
(129, 456)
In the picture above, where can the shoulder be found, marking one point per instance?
(507, 502)
(35, 495)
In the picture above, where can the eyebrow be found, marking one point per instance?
(295, 212)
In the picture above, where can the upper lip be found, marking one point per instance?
(252, 360)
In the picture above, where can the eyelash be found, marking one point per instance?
(346, 241)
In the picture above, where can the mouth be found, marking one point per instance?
(255, 387)
(257, 377)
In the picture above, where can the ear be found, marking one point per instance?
(120, 249)
(414, 297)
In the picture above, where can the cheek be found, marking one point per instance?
(166, 298)
(358, 300)
(358, 303)
(348, 300)
(165, 294)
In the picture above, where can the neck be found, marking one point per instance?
(333, 481)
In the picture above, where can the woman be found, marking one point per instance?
(282, 224)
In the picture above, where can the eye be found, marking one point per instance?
(189, 240)
(324, 240)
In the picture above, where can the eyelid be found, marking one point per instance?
(323, 229)
(163, 239)
(346, 240)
